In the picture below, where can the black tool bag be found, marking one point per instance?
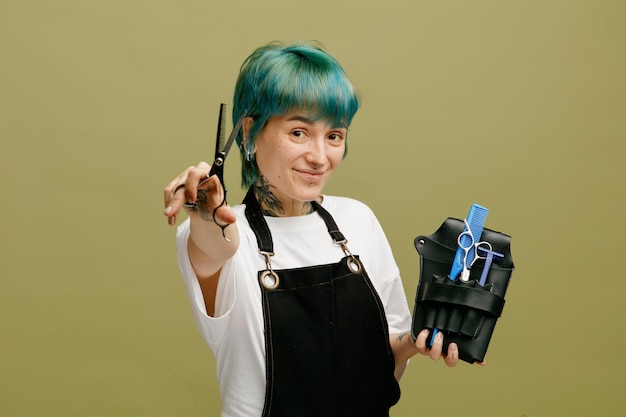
(465, 312)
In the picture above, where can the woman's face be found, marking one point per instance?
(296, 156)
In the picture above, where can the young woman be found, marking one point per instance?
(296, 293)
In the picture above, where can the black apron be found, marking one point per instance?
(326, 335)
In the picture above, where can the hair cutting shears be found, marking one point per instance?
(470, 248)
(221, 152)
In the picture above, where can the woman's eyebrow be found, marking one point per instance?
(306, 120)
(300, 119)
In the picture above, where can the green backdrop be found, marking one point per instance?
(517, 105)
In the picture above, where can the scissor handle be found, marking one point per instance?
(216, 169)
(484, 246)
(480, 245)
(470, 240)
(466, 241)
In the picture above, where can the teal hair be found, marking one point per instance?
(275, 80)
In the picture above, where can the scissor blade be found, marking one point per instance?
(221, 130)
(234, 134)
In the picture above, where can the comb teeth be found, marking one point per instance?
(221, 129)
(476, 219)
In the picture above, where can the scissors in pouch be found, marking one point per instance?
(222, 148)
(470, 248)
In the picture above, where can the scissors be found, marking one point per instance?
(470, 250)
(221, 151)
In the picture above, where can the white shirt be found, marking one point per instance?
(236, 335)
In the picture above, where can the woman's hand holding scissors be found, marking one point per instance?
(200, 194)
(203, 185)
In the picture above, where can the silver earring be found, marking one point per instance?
(249, 155)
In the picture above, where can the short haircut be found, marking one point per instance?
(276, 80)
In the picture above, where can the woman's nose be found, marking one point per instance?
(317, 152)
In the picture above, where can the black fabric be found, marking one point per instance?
(333, 230)
(327, 345)
(465, 312)
(462, 294)
(326, 338)
(255, 217)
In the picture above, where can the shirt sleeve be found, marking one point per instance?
(396, 307)
(212, 329)
(383, 265)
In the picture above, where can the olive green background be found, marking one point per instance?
(517, 105)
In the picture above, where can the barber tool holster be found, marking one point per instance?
(465, 312)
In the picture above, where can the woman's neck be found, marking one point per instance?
(274, 207)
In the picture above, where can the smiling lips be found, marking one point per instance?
(311, 176)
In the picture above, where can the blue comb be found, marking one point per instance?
(476, 220)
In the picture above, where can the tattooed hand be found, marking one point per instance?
(202, 206)
(193, 186)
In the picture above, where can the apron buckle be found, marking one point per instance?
(268, 278)
(353, 263)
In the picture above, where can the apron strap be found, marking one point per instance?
(261, 229)
(258, 223)
(330, 223)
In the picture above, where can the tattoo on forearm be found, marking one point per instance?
(401, 336)
(201, 206)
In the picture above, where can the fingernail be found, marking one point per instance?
(171, 220)
(168, 210)
(438, 337)
(453, 351)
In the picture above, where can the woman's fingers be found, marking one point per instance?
(452, 358)
(420, 342)
(195, 176)
(209, 195)
(182, 189)
(437, 347)
(173, 198)
(435, 352)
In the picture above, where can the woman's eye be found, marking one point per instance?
(298, 133)
(335, 137)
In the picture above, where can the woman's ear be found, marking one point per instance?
(248, 122)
